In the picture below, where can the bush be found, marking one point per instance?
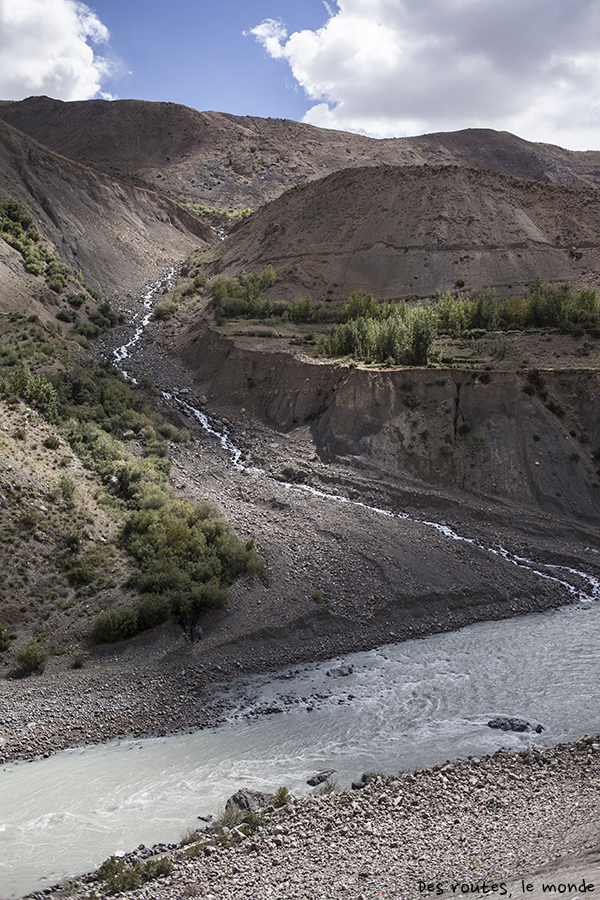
(282, 797)
(67, 488)
(32, 658)
(33, 389)
(114, 625)
(7, 636)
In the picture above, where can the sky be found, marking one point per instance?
(385, 68)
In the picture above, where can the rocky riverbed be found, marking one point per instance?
(504, 825)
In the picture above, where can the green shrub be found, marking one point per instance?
(67, 315)
(291, 473)
(152, 610)
(7, 636)
(33, 389)
(164, 309)
(118, 876)
(31, 658)
(282, 797)
(187, 557)
(114, 625)
(66, 486)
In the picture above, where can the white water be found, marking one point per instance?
(414, 704)
(149, 297)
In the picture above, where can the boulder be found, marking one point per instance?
(113, 485)
(249, 800)
(511, 723)
(340, 672)
(320, 777)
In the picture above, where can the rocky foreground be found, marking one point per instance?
(507, 825)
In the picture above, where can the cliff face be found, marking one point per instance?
(478, 432)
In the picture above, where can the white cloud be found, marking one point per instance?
(47, 47)
(399, 67)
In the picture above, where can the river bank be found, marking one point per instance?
(477, 826)
(354, 563)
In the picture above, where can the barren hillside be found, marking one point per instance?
(409, 231)
(227, 161)
(119, 235)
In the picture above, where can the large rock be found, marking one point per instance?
(510, 723)
(340, 672)
(247, 799)
(320, 777)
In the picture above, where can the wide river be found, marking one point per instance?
(404, 706)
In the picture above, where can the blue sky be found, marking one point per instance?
(386, 68)
(202, 54)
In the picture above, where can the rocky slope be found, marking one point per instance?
(119, 235)
(503, 826)
(222, 160)
(405, 232)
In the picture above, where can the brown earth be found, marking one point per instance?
(119, 235)
(227, 161)
(402, 232)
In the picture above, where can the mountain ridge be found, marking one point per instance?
(219, 159)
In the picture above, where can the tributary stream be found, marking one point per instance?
(404, 706)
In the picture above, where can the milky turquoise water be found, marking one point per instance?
(404, 706)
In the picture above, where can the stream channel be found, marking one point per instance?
(400, 707)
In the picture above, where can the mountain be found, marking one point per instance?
(404, 231)
(118, 234)
(225, 161)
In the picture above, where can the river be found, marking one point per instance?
(404, 706)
